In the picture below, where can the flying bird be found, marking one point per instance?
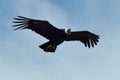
(55, 35)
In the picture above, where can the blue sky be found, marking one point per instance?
(21, 58)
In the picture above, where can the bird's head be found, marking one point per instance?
(68, 31)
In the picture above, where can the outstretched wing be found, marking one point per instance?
(41, 27)
(89, 39)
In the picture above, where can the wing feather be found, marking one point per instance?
(87, 38)
(41, 27)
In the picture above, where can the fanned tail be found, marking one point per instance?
(48, 47)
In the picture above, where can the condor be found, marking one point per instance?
(55, 35)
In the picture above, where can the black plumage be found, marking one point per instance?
(54, 35)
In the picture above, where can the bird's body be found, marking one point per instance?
(54, 35)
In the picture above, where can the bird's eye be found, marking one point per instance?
(69, 31)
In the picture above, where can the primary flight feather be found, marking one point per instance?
(55, 35)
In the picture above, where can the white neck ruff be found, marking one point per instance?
(67, 30)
